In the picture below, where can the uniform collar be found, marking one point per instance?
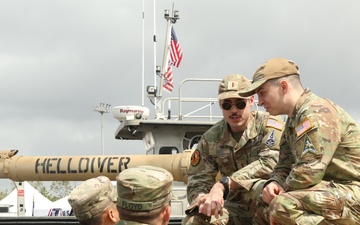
(249, 133)
(304, 96)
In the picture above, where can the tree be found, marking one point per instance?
(4, 193)
(60, 189)
(57, 189)
(40, 187)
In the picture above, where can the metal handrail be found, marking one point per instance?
(182, 100)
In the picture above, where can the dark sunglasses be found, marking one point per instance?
(238, 104)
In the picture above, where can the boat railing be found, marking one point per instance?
(207, 103)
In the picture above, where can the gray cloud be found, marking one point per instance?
(59, 58)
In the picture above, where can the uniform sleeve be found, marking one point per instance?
(285, 162)
(317, 140)
(267, 154)
(202, 171)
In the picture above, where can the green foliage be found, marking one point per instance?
(57, 189)
(38, 185)
(60, 189)
(4, 193)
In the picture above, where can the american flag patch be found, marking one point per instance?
(275, 124)
(303, 127)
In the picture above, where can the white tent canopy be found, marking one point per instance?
(33, 202)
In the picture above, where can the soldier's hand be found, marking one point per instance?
(214, 202)
(270, 191)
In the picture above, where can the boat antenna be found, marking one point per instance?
(155, 93)
(143, 57)
(170, 21)
(154, 69)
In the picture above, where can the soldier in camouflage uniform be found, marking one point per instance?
(243, 140)
(144, 196)
(94, 202)
(317, 178)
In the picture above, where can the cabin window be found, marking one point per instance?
(194, 141)
(4, 209)
(170, 150)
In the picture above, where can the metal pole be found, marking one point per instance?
(102, 108)
(102, 134)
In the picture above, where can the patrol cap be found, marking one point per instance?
(231, 85)
(91, 197)
(273, 68)
(143, 188)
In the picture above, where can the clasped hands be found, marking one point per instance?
(212, 204)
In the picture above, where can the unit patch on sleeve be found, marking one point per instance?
(270, 141)
(274, 124)
(195, 158)
(303, 127)
(308, 147)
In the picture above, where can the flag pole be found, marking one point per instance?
(170, 21)
(166, 51)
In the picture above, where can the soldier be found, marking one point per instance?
(317, 178)
(94, 202)
(243, 140)
(144, 195)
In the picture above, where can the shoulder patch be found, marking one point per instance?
(308, 147)
(303, 127)
(195, 158)
(274, 124)
(270, 141)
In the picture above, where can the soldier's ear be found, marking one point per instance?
(113, 214)
(251, 100)
(284, 86)
(166, 214)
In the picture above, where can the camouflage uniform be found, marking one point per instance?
(91, 197)
(319, 167)
(255, 156)
(143, 188)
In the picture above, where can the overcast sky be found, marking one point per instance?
(59, 58)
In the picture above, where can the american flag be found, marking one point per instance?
(174, 60)
(175, 49)
(168, 79)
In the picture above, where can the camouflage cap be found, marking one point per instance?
(144, 188)
(91, 197)
(231, 85)
(273, 68)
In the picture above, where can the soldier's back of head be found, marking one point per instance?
(91, 198)
(143, 192)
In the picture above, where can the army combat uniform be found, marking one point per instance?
(91, 198)
(319, 167)
(254, 155)
(141, 190)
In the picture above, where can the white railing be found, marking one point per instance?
(207, 103)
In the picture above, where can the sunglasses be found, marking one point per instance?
(238, 104)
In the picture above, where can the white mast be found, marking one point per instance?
(154, 92)
(170, 21)
(143, 57)
(154, 69)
